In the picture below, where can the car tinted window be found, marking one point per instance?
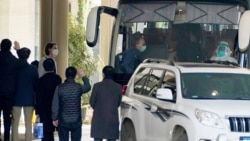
(147, 81)
(140, 79)
(215, 86)
(169, 81)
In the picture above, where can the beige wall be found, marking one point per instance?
(17, 22)
(4, 18)
(21, 26)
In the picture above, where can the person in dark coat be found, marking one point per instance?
(45, 92)
(66, 107)
(105, 100)
(9, 66)
(130, 59)
(24, 98)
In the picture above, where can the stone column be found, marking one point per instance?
(4, 19)
(54, 28)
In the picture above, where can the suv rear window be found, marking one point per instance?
(147, 81)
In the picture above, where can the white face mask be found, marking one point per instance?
(55, 52)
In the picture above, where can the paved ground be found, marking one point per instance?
(85, 133)
(85, 129)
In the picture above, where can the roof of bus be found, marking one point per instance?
(243, 3)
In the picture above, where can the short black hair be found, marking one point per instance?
(137, 36)
(23, 53)
(49, 64)
(108, 71)
(48, 47)
(70, 72)
(35, 63)
(6, 45)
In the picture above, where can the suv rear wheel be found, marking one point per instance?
(128, 132)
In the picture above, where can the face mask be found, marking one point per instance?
(223, 51)
(221, 54)
(143, 48)
(55, 52)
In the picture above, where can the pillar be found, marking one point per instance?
(54, 28)
(4, 19)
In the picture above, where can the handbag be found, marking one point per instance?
(38, 129)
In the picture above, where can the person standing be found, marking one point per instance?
(66, 107)
(27, 79)
(51, 51)
(9, 65)
(105, 100)
(45, 92)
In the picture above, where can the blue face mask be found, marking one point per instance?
(221, 54)
(143, 48)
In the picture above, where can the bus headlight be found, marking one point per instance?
(208, 118)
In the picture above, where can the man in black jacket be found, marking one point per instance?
(9, 66)
(45, 92)
(24, 98)
(66, 105)
(105, 100)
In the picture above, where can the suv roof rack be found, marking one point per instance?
(152, 60)
(223, 62)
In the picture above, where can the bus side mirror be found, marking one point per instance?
(244, 31)
(93, 23)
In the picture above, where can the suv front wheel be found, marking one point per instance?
(128, 132)
(180, 134)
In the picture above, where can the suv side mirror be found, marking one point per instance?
(164, 94)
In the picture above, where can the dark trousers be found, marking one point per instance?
(48, 136)
(48, 127)
(74, 130)
(95, 139)
(6, 107)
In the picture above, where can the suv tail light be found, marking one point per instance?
(124, 88)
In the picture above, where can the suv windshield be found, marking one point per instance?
(215, 86)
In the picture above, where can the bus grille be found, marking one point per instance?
(239, 124)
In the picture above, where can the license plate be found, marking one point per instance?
(244, 138)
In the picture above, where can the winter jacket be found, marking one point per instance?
(9, 66)
(27, 80)
(105, 100)
(67, 101)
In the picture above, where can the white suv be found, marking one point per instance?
(166, 101)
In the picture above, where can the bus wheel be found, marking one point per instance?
(128, 132)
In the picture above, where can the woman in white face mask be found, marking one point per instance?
(51, 51)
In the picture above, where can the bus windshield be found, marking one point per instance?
(177, 31)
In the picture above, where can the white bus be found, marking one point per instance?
(182, 31)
